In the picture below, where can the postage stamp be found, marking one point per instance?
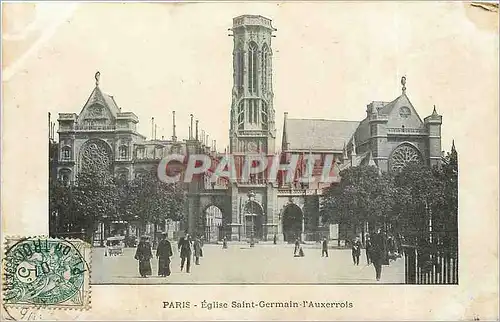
(46, 272)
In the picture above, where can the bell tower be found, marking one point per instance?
(252, 114)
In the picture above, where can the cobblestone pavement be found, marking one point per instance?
(243, 264)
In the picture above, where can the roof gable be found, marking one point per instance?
(97, 97)
(318, 134)
(401, 112)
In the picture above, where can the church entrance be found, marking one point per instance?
(253, 220)
(292, 222)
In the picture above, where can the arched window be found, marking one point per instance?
(123, 152)
(265, 70)
(252, 68)
(66, 153)
(263, 115)
(403, 155)
(241, 115)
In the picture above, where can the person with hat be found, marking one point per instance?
(143, 254)
(185, 252)
(163, 253)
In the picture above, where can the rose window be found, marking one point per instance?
(403, 155)
(96, 155)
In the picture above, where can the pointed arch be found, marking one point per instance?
(241, 114)
(252, 67)
(404, 154)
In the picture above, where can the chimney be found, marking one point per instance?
(215, 145)
(191, 128)
(202, 137)
(152, 127)
(174, 138)
(155, 132)
(196, 132)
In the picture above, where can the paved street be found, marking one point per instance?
(263, 263)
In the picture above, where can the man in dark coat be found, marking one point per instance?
(198, 250)
(377, 252)
(185, 251)
(324, 248)
(368, 249)
(297, 246)
(143, 255)
(356, 251)
(163, 253)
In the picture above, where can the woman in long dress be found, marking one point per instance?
(143, 254)
(163, 252)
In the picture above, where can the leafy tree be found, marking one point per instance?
(363, 195)
(95, 197)
(153, 201)
(62, 214)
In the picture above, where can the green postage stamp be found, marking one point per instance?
(46, 272)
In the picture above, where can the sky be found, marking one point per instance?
(330, 60)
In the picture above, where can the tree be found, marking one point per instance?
(419, 199)
(153, 201)
(95, 197)
(61, 208)
(363, 195)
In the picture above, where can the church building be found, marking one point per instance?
(391, 135)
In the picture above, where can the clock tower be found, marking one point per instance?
(252, 127)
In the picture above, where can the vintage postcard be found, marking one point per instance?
(249, 161)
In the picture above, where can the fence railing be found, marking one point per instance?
(434, 263)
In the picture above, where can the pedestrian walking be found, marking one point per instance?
(198, 250)
(143, 255)
(297, 246)
(184, 246)
(324, 248)
(356, 251)
(224, 243)
(377, 253)
(274, 239)
(163, 253)
(368, 249)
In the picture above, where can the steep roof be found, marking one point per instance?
(318, 134)
(97, 96)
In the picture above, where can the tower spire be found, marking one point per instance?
(434, 113)
(403, 83)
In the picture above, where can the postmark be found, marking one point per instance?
(46, 272)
